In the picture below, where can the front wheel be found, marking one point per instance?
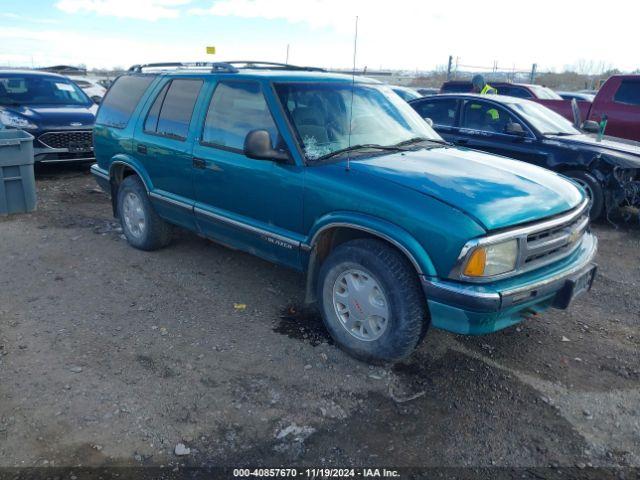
(371, 301)
(593, 190)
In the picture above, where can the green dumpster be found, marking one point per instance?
(17, 183)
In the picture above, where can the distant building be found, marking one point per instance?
(64, 70)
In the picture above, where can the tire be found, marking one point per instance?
(352, 269)
(141, 225)
(593, 189)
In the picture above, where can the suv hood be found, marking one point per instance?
(57, 116)
(625, 153)
(496, 191)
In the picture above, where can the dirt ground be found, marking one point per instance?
(113, 356)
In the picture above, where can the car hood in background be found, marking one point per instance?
(626, 153)
(57, 116)
(496, 191)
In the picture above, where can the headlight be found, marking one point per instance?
(490, 260)
(9, 119)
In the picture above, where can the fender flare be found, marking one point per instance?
(390, 232)
(133, 164)
(123, 160)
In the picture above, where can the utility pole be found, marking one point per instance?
(449, 67)
(534, 67)
(287, 60)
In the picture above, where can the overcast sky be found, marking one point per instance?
(398, 34)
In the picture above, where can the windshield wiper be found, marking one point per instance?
(420, 140)
(364, 146)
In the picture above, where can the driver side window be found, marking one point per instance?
(487, 117)
(237, 108)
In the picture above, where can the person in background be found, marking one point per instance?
(479, 85)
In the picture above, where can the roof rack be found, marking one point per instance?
(211, 66)
(222, 67)
(253, 64)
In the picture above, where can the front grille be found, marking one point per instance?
(75, 138)
(548, 245)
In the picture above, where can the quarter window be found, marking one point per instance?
(441, 112)
(236, 109)
(121, 100)
(628, 92)
(170, 114)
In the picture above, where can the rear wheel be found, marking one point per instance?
(593, 190)
(141, 225)
(371, 301)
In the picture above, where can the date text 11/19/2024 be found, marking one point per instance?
(316, 472)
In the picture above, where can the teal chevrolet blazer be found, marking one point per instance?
(396, 230)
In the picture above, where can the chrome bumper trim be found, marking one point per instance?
(479, 298)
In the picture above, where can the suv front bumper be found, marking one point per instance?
(484, 308)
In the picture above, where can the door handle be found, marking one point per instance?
(199, 163)
(462, 141)
(142, 149)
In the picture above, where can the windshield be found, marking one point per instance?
(545, 93)
(319, 113)
(545, 120)
(40, 90)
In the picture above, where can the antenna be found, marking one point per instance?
(353, 87)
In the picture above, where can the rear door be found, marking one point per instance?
(483, 126)
(164, 144)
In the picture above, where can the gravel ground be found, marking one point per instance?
(113, 356)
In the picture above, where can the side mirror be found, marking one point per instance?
(591, 126)
(257, 145)
(429, 122)
(96, 99)
(515, 129)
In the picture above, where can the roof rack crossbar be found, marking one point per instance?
(223, 67)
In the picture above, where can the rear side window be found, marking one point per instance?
(170, 114)
(442, 112)
(121, 100)
(151, 123)
(237, 108)
(628, 92)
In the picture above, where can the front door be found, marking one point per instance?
(253, 205)
(483, 126)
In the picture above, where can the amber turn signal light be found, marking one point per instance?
(476, 264)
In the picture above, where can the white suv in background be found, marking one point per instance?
(91, 87)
